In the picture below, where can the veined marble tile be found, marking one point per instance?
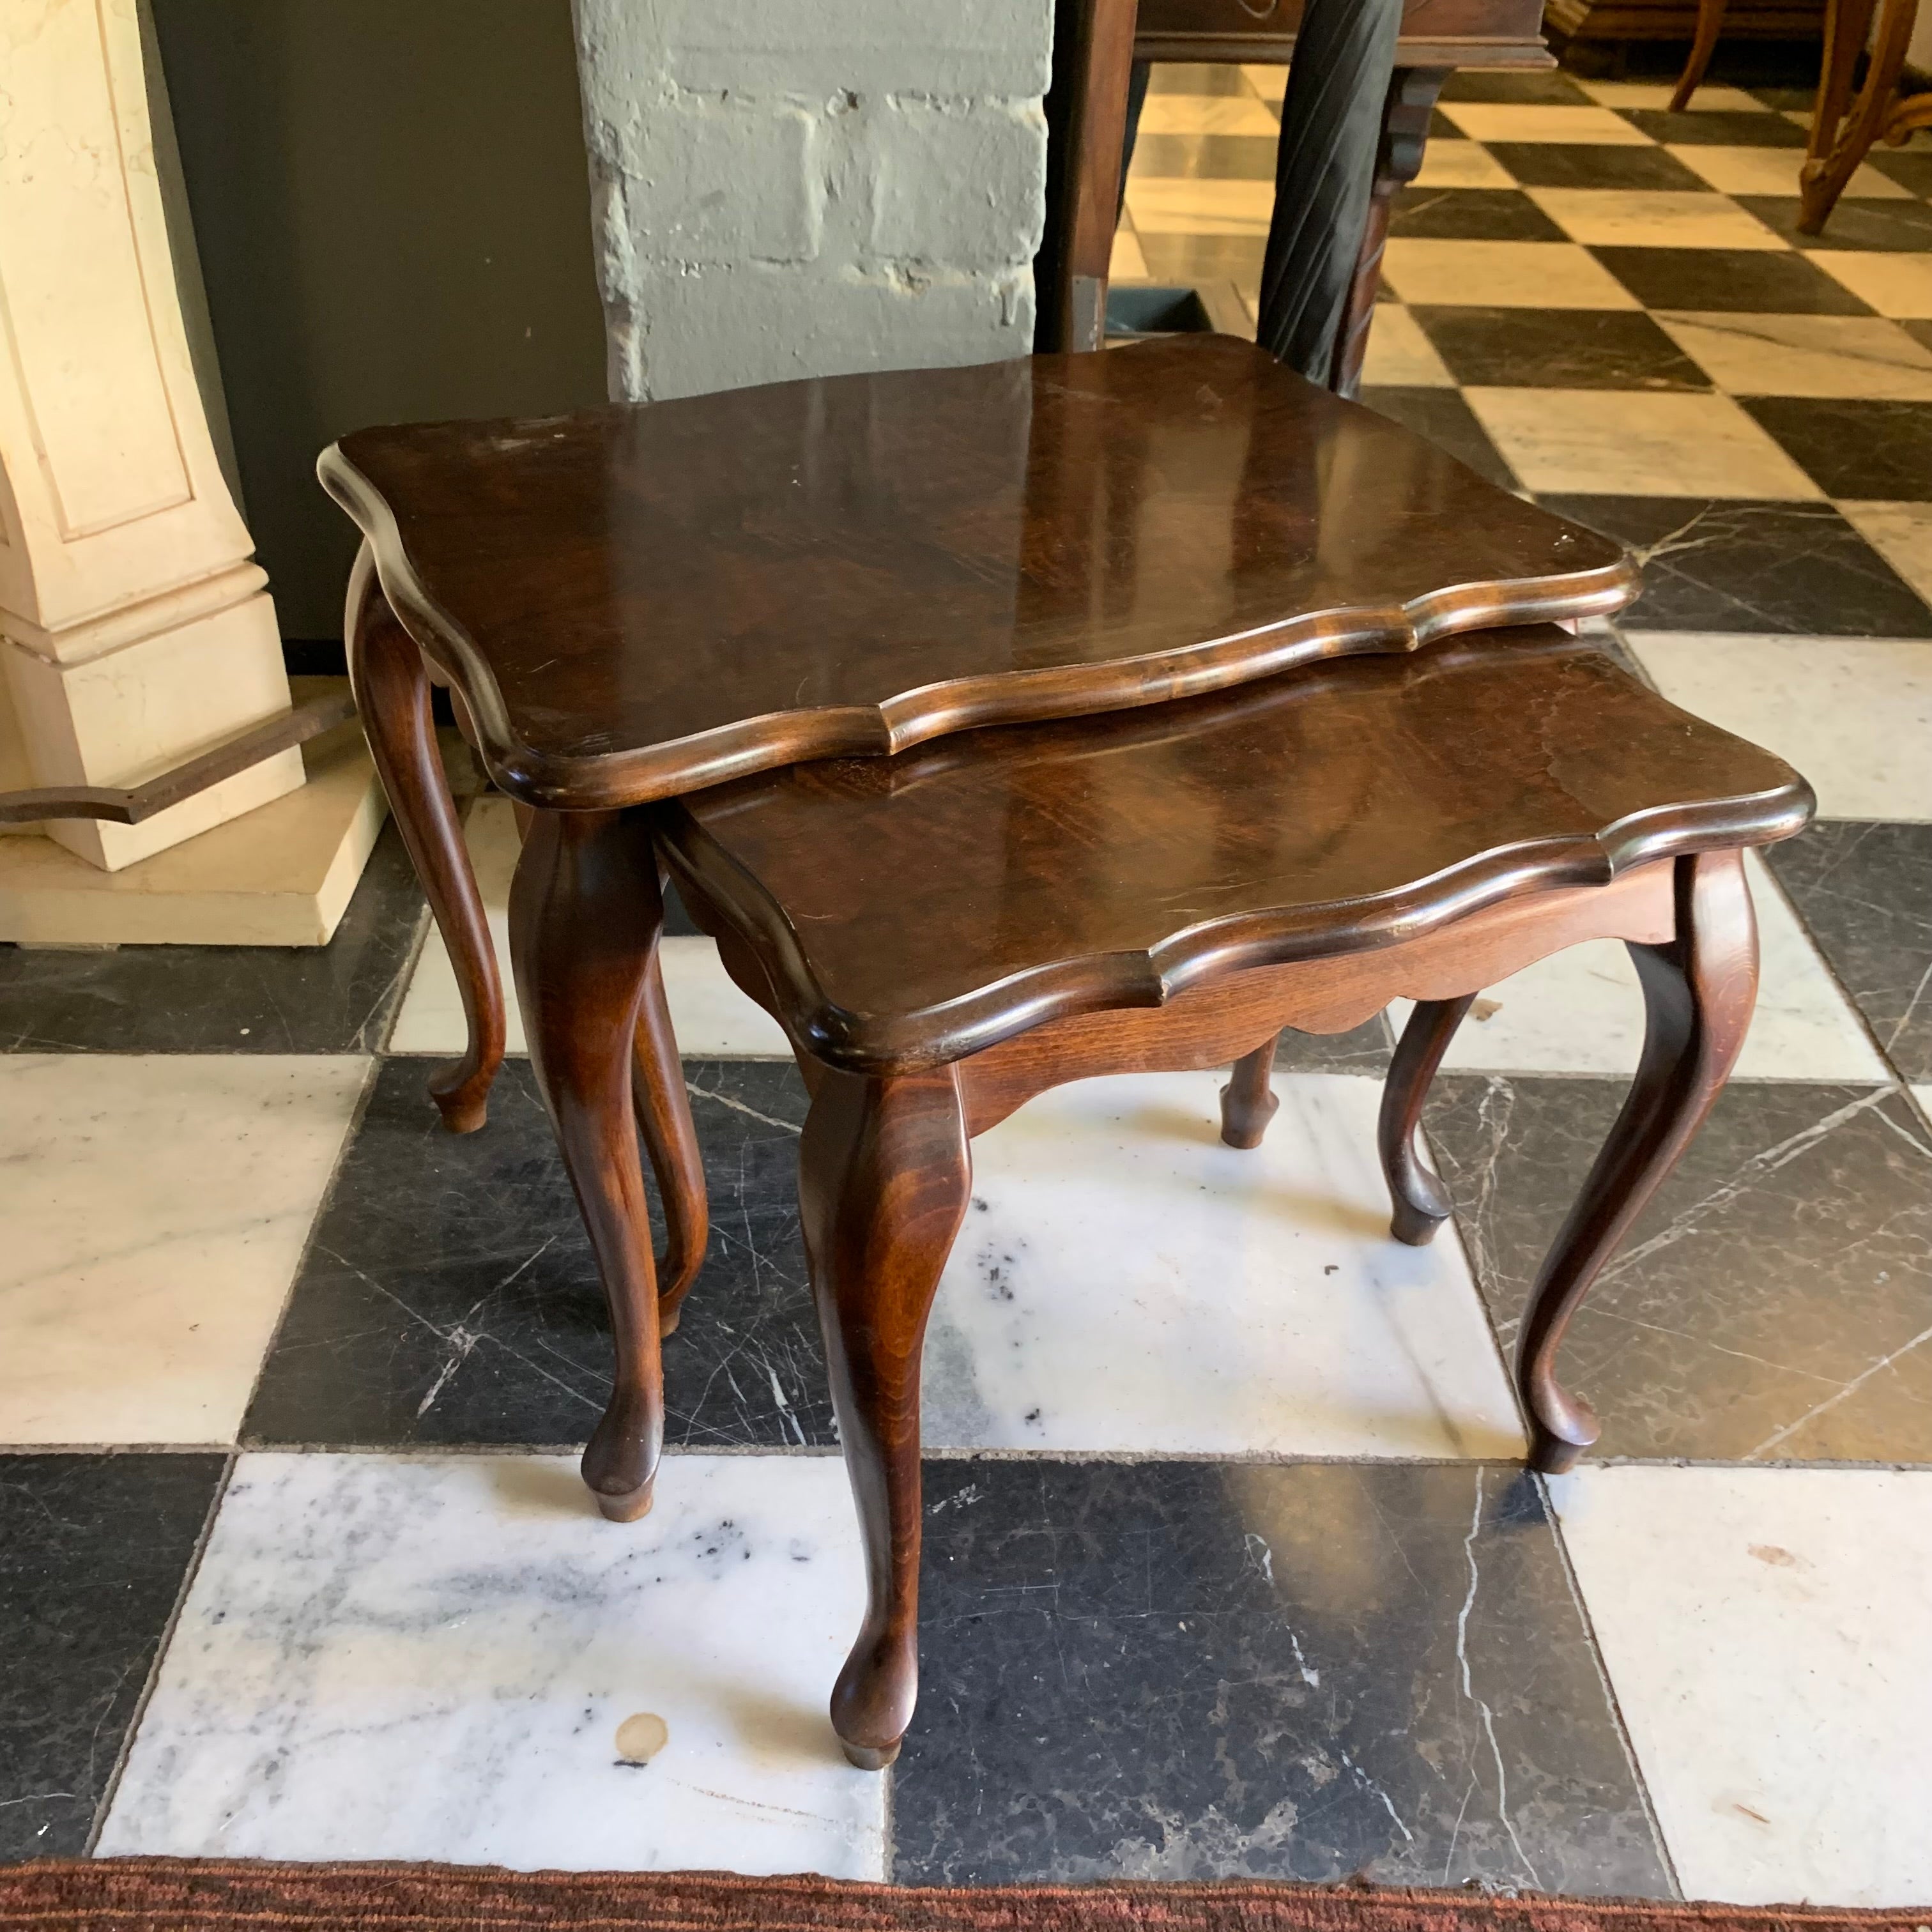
(1579, 442)
(1612, 217)
(1804, 354)
(1501, 274)
(1773, 171)
(1766, 1632)
(1164, 205)
(1854, 715)
(1901, 533)
(711, 1016)
(1205, 114)
(1125, 1282)
(1462, 164)
(158, 1207)
(1894, 284)
(457, 1658)
(1399, 355)
(1518, 121)
(1582, 1011)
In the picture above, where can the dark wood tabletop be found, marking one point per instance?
(635, 601)
(924, 907)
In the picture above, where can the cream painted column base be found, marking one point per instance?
(280, 876)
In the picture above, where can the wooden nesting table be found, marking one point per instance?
(708, 634)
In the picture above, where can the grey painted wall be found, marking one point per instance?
(391, 210)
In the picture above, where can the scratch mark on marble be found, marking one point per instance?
(1254, 1542)
(739, 1107)
(1685, 1223)
(1830, 1401)
(1911, 1007)
(1369, 1784)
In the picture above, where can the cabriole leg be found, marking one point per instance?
(1420, 1201)
(584, 919)
(1248, 1103)
(392, 695)
(1698, 991)
(884, 1175)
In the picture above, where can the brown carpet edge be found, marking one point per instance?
(176, 1895)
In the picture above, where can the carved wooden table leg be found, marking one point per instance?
(1703, 45)
(1420, 1201)
(663, 1108)
(1840, 141)
(1248, 1103)
(884, 1176)
(584, 919)
(1698, 994)
(1411, 100)
(392, 693)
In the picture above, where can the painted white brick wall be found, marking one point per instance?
(806, 188)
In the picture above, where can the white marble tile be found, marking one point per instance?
(1773, 171)
(1270, 82)
(1899, 285)
(1923, 1096)
(1425, 268)
(1766, 1632)
(1126, 1282)
(156, 1206)
(1822, 356)
(1901, 533)
(394, 1657)
(1206, 114)
(1517, 120)
(1452, 164)
(1616, 443)
(1169, 205)
(1400, 355)
(1615, 217)
(712, 1018)
(1709, 99)
(1854, 715)
(1582, 1011)
(1126, 263)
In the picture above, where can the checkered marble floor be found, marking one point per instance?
(1232, 1565)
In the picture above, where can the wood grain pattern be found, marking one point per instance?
(634, 602)
(924, 909)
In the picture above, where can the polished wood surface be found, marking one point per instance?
(635, 602)
(1435, 33)
(926, 907)
(1420, 1201)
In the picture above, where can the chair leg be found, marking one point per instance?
(392, 695)
(584, 918)
(1248, 1103)
(670, 1137)
(1840, 139)
(1703, 45)
(1420, 1201)
(1698, 993)
(884, 1176)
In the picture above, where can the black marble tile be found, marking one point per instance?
(1196, 1670)
(1726, 565)
(1471, 214)
(1773, 1301)
(1557, 349)
(1593, 164)
(1549, 88)
(1364, 1050)
(1853, 447)
(1896, 227)
(1445, 417)
(337, 998)
(1716, 128)
(1910, 168)
(93, 1551)
(1188, 259)
(1783, 99)
(448, 1295)
(1206, 156)
(1865, 891)
(1920, 331)
(1760, 281)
